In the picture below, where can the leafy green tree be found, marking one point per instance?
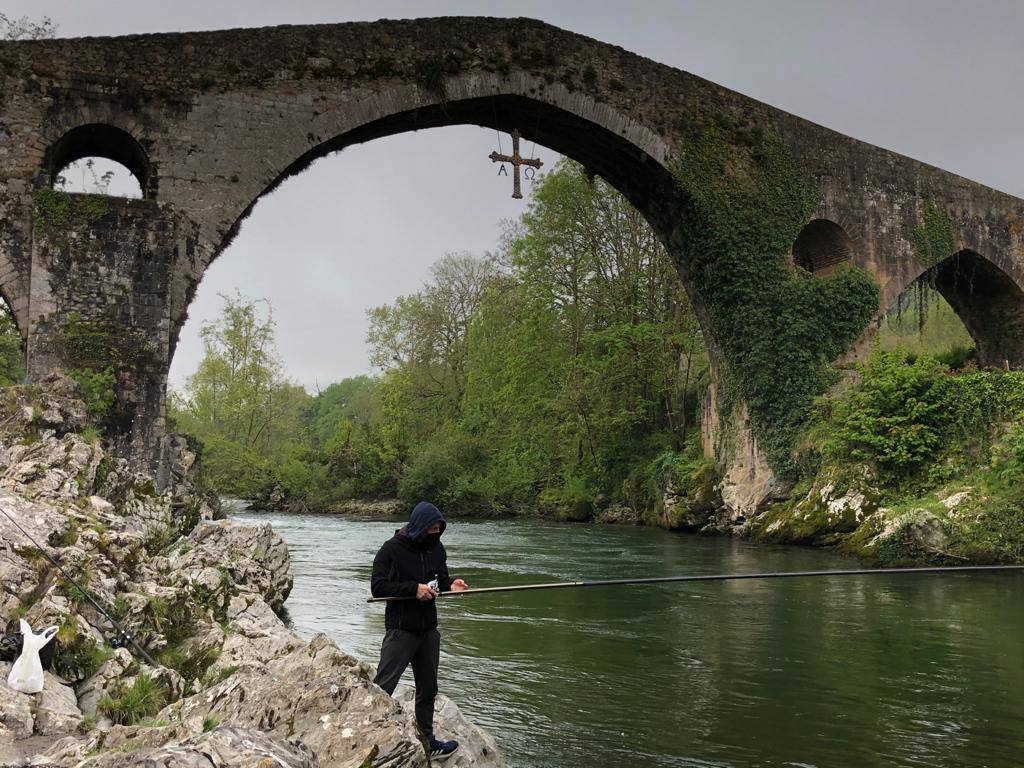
(239, 402)
(12, 360)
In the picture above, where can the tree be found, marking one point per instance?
(12, 360)
(25, 29)
(239, 401)
(424, 335)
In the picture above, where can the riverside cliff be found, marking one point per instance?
(232, 685)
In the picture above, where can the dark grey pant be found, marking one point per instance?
(424, 652)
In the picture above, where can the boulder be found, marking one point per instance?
(477, 748)
(255, 556)
(618, 515)
(58, 712)
(53, 712)
(221, 746)
(105, 680)
(204, 592)
(317, 694)
(837, 503)
(15, 710)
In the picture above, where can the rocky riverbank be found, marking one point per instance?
(230, 685)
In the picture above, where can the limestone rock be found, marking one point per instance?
(57, 713)
(477, 748)
(15, 709)
(54, 712)
(317, 694)
(618, 515)
(224, 746)
(382, 509)
(258, 636)
(749, 484)
(257, 694)
(255, 555)
(838, 502)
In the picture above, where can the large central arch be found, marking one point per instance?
(627, 155)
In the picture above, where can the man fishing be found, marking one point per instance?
(413, 564)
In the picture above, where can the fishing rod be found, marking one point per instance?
(123, 635)
(714, 577)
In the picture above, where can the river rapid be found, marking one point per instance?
(862, 671)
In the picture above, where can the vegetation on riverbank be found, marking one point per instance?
(563, 373)
(914, 461)
(562, 376)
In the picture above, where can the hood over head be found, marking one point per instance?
(423, 516)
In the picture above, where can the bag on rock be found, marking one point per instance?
(27, 673)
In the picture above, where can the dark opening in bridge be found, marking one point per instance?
(990, 304)
(964, 309)
(99, 159)
(821, 247)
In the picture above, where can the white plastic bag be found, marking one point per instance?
(27, 673)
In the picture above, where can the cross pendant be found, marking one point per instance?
(517, 160)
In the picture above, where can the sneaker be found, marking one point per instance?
(442, 750)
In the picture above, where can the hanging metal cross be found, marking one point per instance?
(516, 159)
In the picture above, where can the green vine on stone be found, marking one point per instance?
(96, 345)
(745, 200)
(934, 237)
(55, 211)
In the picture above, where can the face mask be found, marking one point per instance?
(431, 540)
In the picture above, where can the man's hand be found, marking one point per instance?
(459, 586)
(425, 593)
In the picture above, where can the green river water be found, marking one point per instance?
(861, 671)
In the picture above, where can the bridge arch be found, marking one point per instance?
(986, 291)
(988, 301)
(629, 156)
(100, 140)
(822, 247)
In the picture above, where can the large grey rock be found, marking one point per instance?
(317, 694)
(105, 680)
(57, 712)
(222, 746)
(255, 556)
(15, 710)
(268, 699)
(477, 747)
(54, 712)
(51, 469)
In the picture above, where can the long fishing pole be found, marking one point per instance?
(714, 577)
(84, 592)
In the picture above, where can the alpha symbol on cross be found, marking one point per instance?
(517, 160)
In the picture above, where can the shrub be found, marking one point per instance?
(130, 704)
(894, 417)
(98, 392)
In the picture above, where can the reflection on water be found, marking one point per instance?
(880, 671)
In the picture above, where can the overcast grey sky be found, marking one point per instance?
(940, 81)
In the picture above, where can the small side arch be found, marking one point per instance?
(988, 301)
(822, 247)
(101, 140)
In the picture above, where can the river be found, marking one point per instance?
(862, 671)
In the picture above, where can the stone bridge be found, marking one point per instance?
(209, 122)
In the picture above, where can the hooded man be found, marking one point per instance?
(413, 563)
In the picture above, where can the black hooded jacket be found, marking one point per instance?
(403, 563)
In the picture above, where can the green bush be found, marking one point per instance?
(98, 392)
(894, 417)
(130, 704)
(912, 419)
